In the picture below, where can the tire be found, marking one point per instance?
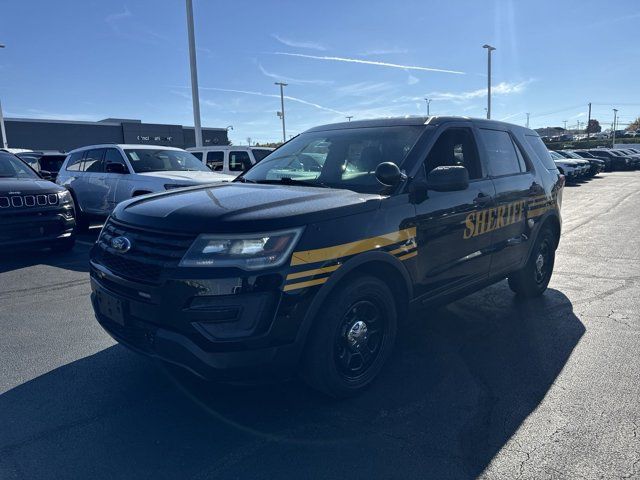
(532, 280)
(82, 221)
(64, 245)
(334, 361)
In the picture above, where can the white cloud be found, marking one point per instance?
(137, 31)
(299, 44)
(411, 80)
(363, 89)
(502, 88)
(295, 81)
(270, 95)
(370, 62)
(384, 51)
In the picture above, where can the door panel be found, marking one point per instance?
(113, 181)
(453, 247)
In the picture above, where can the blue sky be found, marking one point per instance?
(90, 59)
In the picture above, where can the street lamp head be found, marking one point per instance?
(281, 83)
(1, 45)
(230, 127)
(489, 47)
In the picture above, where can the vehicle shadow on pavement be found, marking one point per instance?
(76, 259)
(463, 380)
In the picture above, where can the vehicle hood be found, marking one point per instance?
(570, 163)
(241, 207)
(189, 178)
(27, 186)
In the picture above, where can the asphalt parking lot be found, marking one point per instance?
(486, 387)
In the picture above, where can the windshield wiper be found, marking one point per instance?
(292, 181)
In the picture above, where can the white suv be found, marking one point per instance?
(101, 176)
(229, 159)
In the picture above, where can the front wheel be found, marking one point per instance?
(352, 337)
(532, 280)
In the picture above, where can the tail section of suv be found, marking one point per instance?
(230, 160)
(101, 176)
(309, 262)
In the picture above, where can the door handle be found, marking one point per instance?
(482, 199)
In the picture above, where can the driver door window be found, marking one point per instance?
(456, 146)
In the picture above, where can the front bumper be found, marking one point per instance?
(224, 328)
(36, 226)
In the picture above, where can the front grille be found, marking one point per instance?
(151, 251)
(24, 201)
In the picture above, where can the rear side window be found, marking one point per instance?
(239, 161)
(198, 155)
(75, 162)
(215, 161)
(502, 153)
(259, 153)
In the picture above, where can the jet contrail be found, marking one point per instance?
(272, 95)
(369, 62)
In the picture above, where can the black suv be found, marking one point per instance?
(310, 261)
(33, 212)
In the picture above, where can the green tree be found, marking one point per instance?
(594, 126)
(635, 125)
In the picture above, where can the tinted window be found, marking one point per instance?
(198, 155)
(259, 153)
(239, 161)
(541, 151)
(455, 146)
(75, 162)
(113, 156)
(31, 161)
(13, 167)
(93, 161)
(51, 163)
(215, 161)
(503, 159)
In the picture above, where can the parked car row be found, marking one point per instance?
(577, 165)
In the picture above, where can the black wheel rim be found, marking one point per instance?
(542, 265)
(359, 338)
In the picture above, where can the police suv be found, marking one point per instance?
(310, 261)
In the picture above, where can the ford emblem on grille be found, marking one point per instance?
(121, 244)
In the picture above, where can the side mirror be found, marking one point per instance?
(116, 168)
(448, 178)
(388, 173)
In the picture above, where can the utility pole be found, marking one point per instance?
(489, 50)
(565, 125)
(3, 132)
(349, 117)
(281, 112)
(195, 95)
(528, 119)
(589, 122)
(428, 100)
(615, 119)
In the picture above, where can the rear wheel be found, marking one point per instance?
(532, 280)
(352, 338)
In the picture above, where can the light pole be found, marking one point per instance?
(195, 95)
(349, 117)
(281, 112)
(565, 124)
(615, 119)
(3, 132)
(528, 119)
(489, 50)
(428, 100)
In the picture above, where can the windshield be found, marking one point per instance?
(151, 160)
(337, 158)
(556, 155)
(12, 167)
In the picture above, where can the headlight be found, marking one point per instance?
(250, 252)
(64, 198)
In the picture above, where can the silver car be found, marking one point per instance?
(101, 176)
